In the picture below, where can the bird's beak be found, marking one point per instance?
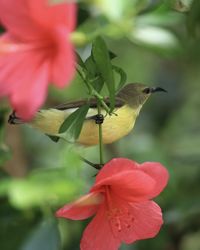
(157, 89)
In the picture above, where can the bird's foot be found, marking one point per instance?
(99, 118)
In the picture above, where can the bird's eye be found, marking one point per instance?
(146, 90)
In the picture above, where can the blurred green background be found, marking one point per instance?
(157, 43)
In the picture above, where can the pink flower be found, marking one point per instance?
(34, 51)
(121, 199)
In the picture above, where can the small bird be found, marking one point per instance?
(128, 103)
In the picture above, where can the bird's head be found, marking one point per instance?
(135, 94)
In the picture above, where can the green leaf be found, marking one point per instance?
(101, 57)
(93, 75)
(91, 67)
(122, 75)
(112, 55)
(53, 138)
(46, 237)
(80, 61)
(71, 127)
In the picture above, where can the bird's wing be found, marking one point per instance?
(92, 103)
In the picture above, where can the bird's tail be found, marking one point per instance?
(13, 119)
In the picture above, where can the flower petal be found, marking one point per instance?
(115, 166)
(147, 221)
(16, 18)
(159, 173)
(50, 16)
(14, 64)
(98, 234)
(24, 79)
(31, 94)
(9, 73)
(28, 19)
(63, 63)
(134, 221)
(35, 50)
(129, 185)
(81, 209)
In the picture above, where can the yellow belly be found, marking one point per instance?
(114, 127)
(49, 121)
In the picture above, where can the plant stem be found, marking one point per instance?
(84, 80)
(101, 100)
(96, 166)
(100, 135)
(93, 92)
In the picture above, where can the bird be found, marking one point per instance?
(128, 103)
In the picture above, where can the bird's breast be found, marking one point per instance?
(114, 127)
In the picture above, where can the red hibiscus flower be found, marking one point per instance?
(34, 51)
(121, 199)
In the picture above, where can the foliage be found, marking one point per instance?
(156, 42)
